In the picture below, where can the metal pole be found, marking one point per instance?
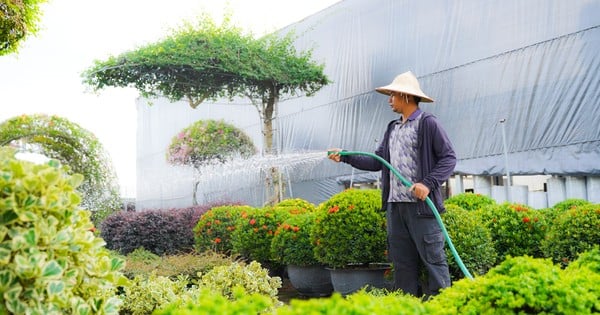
(508, 192)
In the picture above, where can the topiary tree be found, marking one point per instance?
(18, 19)
(50, 261)
(209, 61)
(208, 141)
(60, 139)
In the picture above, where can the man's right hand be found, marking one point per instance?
(334, 154)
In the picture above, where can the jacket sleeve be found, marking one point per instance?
(444, 157)
(364, 162)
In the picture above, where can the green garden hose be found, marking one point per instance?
(427, 200)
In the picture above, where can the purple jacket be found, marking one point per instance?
(436, 162)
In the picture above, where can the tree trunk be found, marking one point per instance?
(273, 182)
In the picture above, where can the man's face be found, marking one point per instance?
(398, 102)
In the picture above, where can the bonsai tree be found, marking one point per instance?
(207, 141)
(208, 61)
(60, 139)
(18, 19)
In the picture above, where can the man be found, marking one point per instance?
(418, 147)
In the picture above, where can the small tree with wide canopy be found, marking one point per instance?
(209, 61)
(208, 141)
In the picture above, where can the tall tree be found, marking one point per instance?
(207, 61)
(18, 19)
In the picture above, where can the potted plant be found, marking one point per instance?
(349, 236)
(291, 247)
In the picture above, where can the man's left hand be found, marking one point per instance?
(419, 190)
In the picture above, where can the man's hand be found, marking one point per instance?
(419, 190)
(334, 154)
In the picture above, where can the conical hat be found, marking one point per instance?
(405, 83)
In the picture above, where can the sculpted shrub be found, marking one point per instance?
(50, 261)
(214, 229)
(472, 240)
(516, 229)
(350, 229)
(572, 232)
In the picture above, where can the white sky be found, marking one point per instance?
(44, 76)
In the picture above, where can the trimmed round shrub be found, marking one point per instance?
(291, 243)
(215, 227)
(516, 229)
(50, 261)
(350, 229)
(254, 232)
(521, 285)
(472, 241)
(572, 232)
(470, 201)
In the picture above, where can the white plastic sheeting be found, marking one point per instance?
(534, 63)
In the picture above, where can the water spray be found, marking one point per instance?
(407, 183)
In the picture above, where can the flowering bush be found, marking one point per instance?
(470, 201)
(215, 227)
(254, 232)
(472, 240)
(350, 229)
(516, 229)
(206, 141)
(572, 232)
(291, 243)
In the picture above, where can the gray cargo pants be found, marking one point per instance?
(415, 241)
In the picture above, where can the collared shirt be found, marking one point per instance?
(404, 156)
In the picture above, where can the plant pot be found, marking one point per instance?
(354, 277)
(311, 281)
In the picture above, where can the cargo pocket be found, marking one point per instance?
(434, 248)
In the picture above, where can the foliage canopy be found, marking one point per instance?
(18, 19)
(60, 139)
(206, 141)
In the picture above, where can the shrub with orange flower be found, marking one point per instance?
(516, 229)
(350, 229)
(253, 233)
(213, 230)
(291, 243)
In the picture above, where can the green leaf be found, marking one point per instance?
(55, 287)
(8, 217)
(116, 264)
(6, 280)
(52, 269)
(31, 237)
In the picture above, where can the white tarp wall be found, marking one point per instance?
(534, 63)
